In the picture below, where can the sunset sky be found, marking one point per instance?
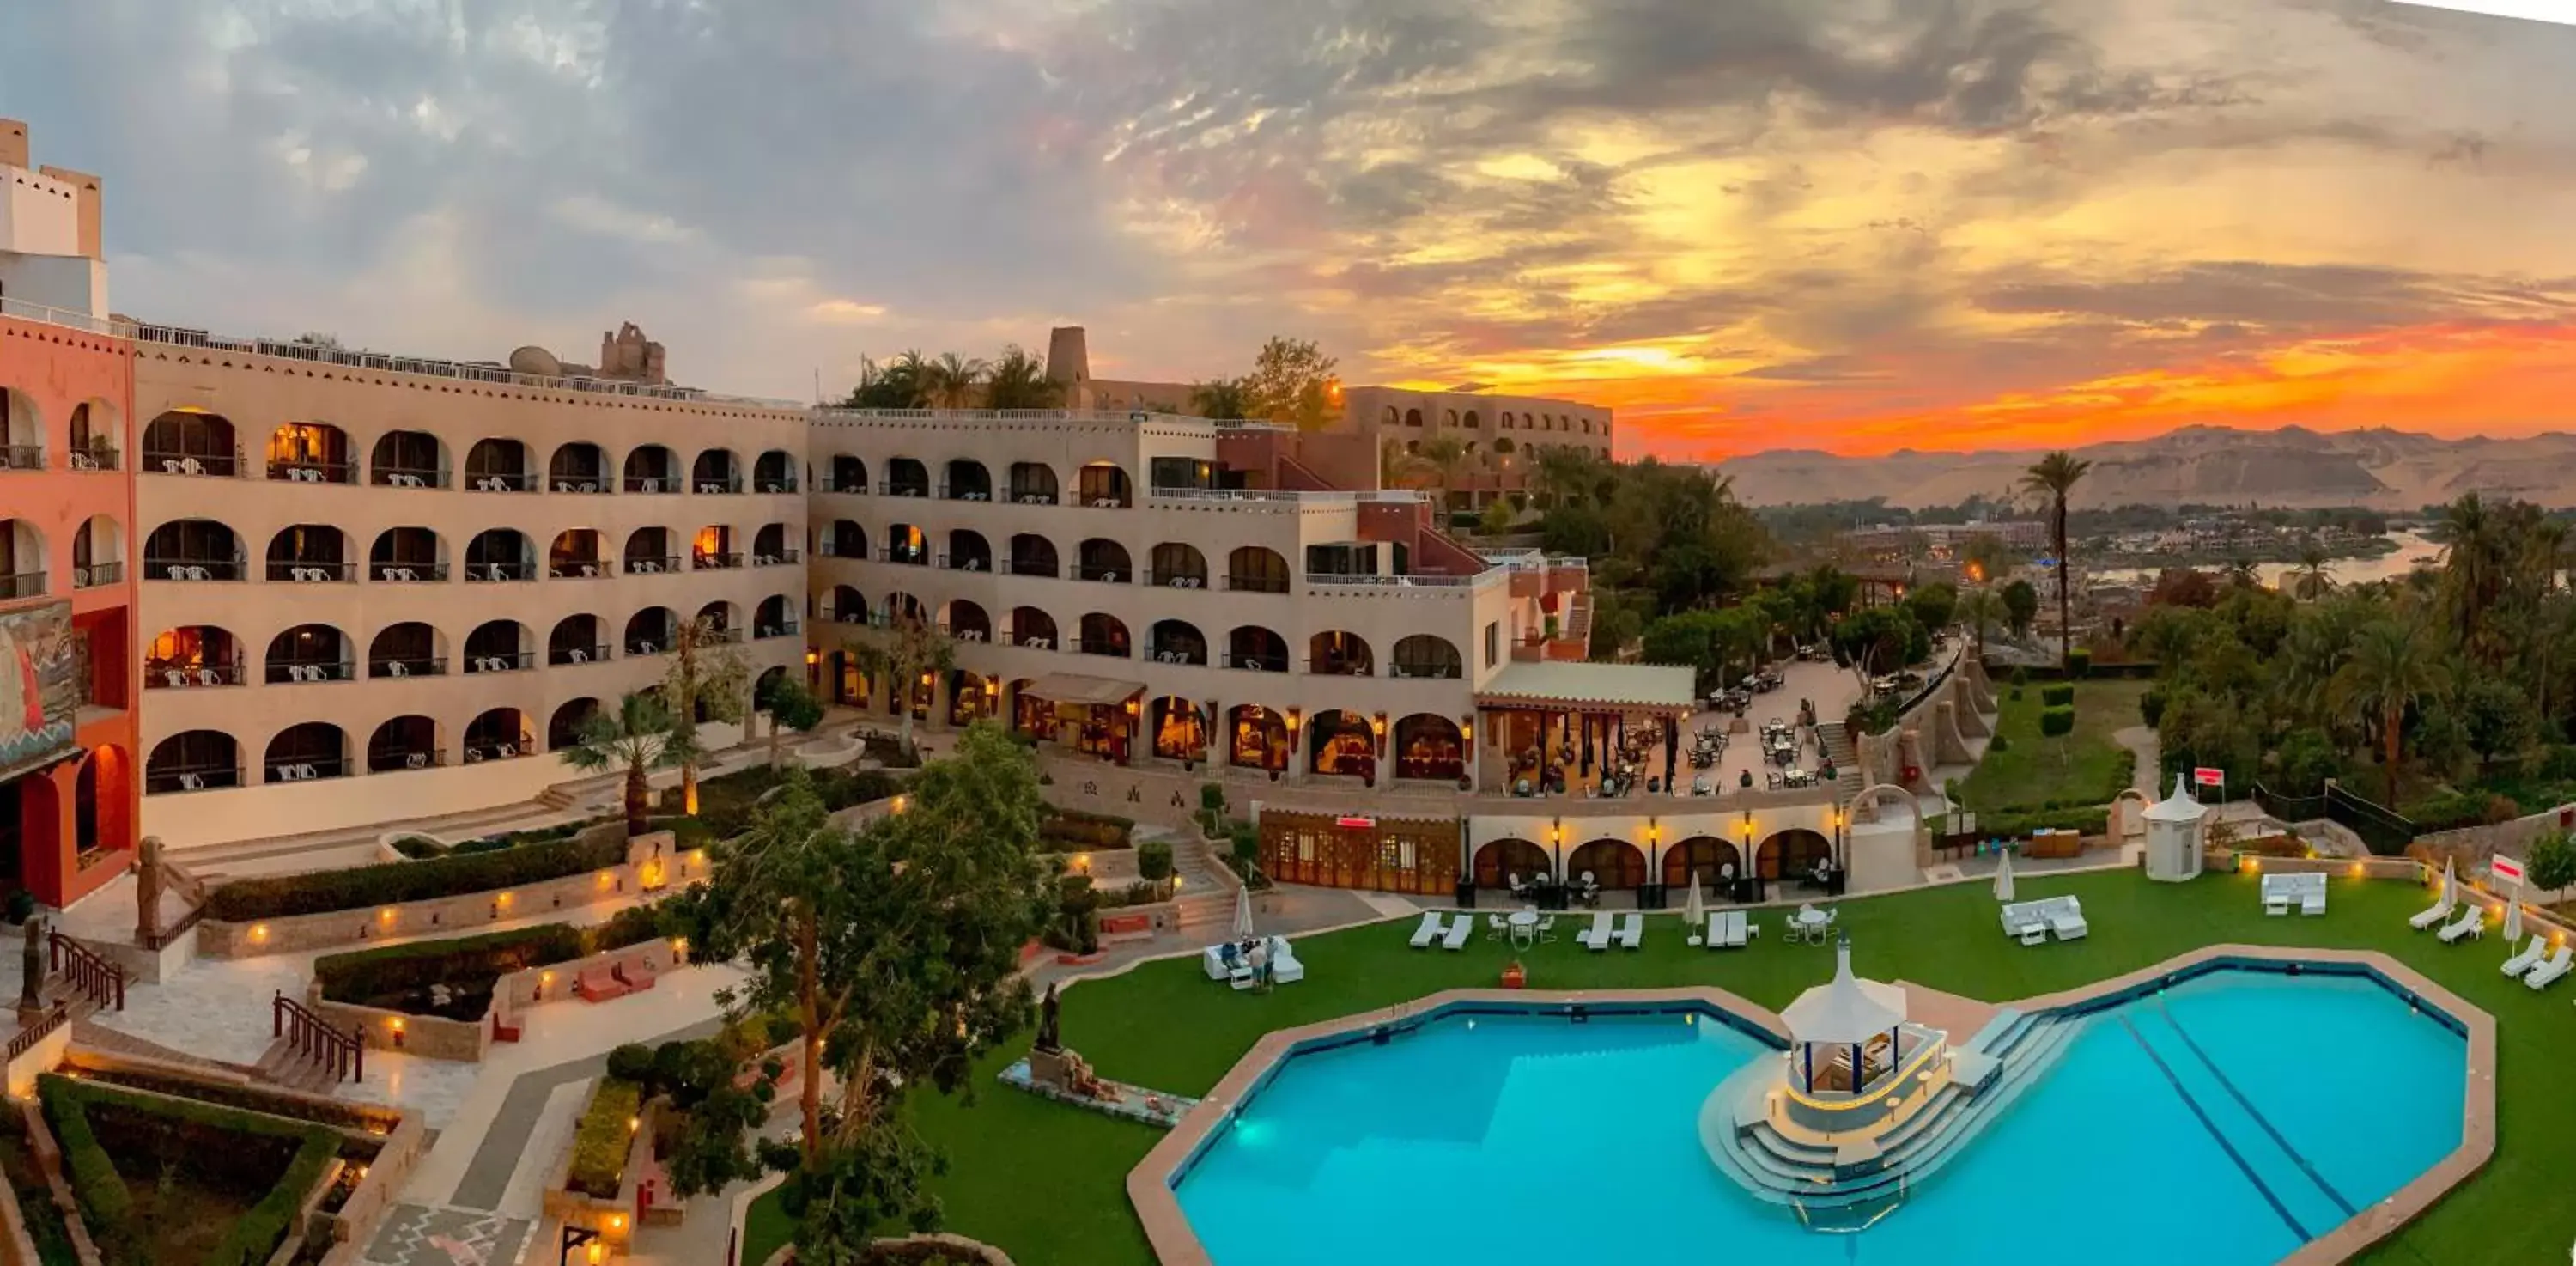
(1854, 225)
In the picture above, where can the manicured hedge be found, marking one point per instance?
(108, 1205)
(1074, 831)
(600, 1144)
(390, 883)
(361, 975)
(2058, 695)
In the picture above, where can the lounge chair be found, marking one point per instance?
(1632, 931)
(2472, 923)
(2312, 894)
(1429, 931)
(1715, 938)
(2065, 917)
(2531, 954)
(2440, 910)
(1284, 967)
(1460, 929)
(2554, 967)
(2276, 894)
(1597, 937)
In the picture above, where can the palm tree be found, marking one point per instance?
(1980, 607)
(903, 653)
(707, 675)
(1220, 400)
(1017, 380)
(1438, 465)
(2241, 573)
(950, 381)
(2473, 566)
(2390, 665)
(2054, 476)
(638, 738)
(2315, 576)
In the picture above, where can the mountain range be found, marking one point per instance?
(2208, 465)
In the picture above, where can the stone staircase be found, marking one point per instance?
(1577, 626)
(283, 1065)
(1206, 900)
(1848, 782)
(100, 1038)
(1830, 1195)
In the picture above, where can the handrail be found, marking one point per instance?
(311, 1036)
(163, 939)
(93, 975)
(428, 367)
(26, 1039)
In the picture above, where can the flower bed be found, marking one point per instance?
(1076, 831)
(229, 1184)
(450, 999)
(392, 883)
(606, 1135)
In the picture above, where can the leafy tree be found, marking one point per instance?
(1496, 519)
(2391, 665)
(895, 947)
(2307, 759)
(1987, 557)
(2552, 863)
(2055, 476)
(2497, 717)
(900, 652)
(638, 738)
(1154, 862)
(1018, 380)
(1982, 609)
(2021, 605)
(1879, 640)
(707, 680)
(1935, 604)
(1292, 382)
(2183, 587)
(1221, 399)
(790, 707)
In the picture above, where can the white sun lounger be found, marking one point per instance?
(2277, 894)
(2531, 954)
(1597, 937)
(2441, 910)
(1429, 930)
(2312, 894)
(1460, 929)
(2471, 923)
(2556, 966)
(1632, 931)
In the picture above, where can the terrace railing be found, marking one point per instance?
(101, 981)
(313, 1039)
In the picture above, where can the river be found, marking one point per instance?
(2412, 548)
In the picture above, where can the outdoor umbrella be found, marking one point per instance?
(1694, 914)
(2003, 877)
(2512, 921)
(2450, 882)
(1242, 914)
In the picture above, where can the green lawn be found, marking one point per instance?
(1046, 1182)
(2031, 770)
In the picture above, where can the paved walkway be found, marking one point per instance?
(2146, 750)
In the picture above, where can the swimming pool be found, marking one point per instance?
(2223, 1120)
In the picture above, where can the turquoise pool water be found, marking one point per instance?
(2223, 1122)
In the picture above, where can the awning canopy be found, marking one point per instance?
(1574, 686)
(1083, 688)
(1848, 1011)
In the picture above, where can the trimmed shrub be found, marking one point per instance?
(2010, 823)
(104, 1201)
(600, 1143)
(2056, 722)
(2020, 676)
(2151, 707)
(391, 883)
(632, 1061)
(2057, 695)
(419, 848)
(474, 962)
(1075, 831)
(1212, 797)
(256, 1237)
(1154, 860)
(1999, 744)
(2079, 662)
(107, 1204)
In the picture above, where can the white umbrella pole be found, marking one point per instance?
(2004, 876)
(1243, 914)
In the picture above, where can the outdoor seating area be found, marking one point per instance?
(2033, 922)
(1248, 960)
(2304, 893)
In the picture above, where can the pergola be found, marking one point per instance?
(1590, 705)
(1845, 1012)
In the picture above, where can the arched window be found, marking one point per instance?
(1103, 560)
(1034, 555)
(651, 631)
(1104, 485)
(849, 606)
(405, 742)
(309, 552)
(302, 753)
(1032, 628)
(404, 555)
(905, 544)
(1256, 649)
(906, 477)
(499, 734)
(650, 552)
(499, 465)
(408, 459)
(575, 556)
(564, 728)
(308, 653)
(716, 472)
(1334, 653)
(192, 549)
(189, 442)
(578, 639)
(408, 649)
(1103, 634)
(1426, 655)
(967, 622)
(578, 467)
(1178, 565)
(774, 472)
(713, 549)
(311, 453)
(22, 559)
(498, 555)
(1428, 745)
(1256, 569)
(1033, 484)
(849, 475)
(774, 617)
(193, 760)
(193, 655)
(652, 468)
(498, 646)
(968, 551)
(967, 481)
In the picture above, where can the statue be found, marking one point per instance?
(1048, 1039)
(31, 960)
(147, 890)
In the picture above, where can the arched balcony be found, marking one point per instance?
(847, 539)
(1256, 738)
(1103, 560)
(968, 480)
(310, 553)
(303, 753)
(968, 551)
(716, 472)
(579, 467)
(193, 760)
(500, 555)
(1255, 649)
(408, 649)
(652, 468)
(311, 453)
(1032, 628)
(774, 617)
(1341, 742)
(192, 655)
(651, 631)
(1338, 654)
(774, 472)
(1176, 642)
(22, 559)
(968, 622)
(405, 742)
(499, 646)
(97, 435)
(1033, 484)
(1104, 634)
(721, 621)
(499, 465)
(191, 442)
(1256, 569)
(847, 606)
(192, 549)
(649, 552)
(407, 459)
(770, 547)
(1104, 486)
(578, 639)
(848, 475)
(1178, 565)
(565, 727)
(98, 553)
(1430, 746)
(309, 653)
(575, 556)
(22, 433)
(500, 734)
(1034, 555)
(902, 608)
(905, 477)
(1425, 655)
(713, 549)
(905, 545)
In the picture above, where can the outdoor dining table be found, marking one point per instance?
(1524, 925)
(1809, 922)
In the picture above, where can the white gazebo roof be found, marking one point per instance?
(2178, 807)
(1847, 1010)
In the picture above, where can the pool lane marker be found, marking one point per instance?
(2296, 1157)
(2216, 1135)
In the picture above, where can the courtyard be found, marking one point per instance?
(1164, 1025)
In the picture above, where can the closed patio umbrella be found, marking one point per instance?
(2004, 876)
(1694, 914)
(2512, 920)
(2450, 882)
(1243, 914)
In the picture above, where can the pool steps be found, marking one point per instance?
(2006, 1057)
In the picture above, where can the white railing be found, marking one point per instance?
(1333, 496)
(472, 371)
(25, 311)
(1477, 581)
(998, 415)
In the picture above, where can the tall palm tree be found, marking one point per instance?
(638, 738)
(1437, 467)
(2473, 567)
(950, 381)
(2315, 576)
(1017, 380)
(1221, 399)
(2241, 573)
(902, 654)
(2054, 476)
(707, 676)
(2391, 664)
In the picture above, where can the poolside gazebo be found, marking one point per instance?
(1844, 1033)
(2173, 835)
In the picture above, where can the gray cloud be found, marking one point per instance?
(2279, 297)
